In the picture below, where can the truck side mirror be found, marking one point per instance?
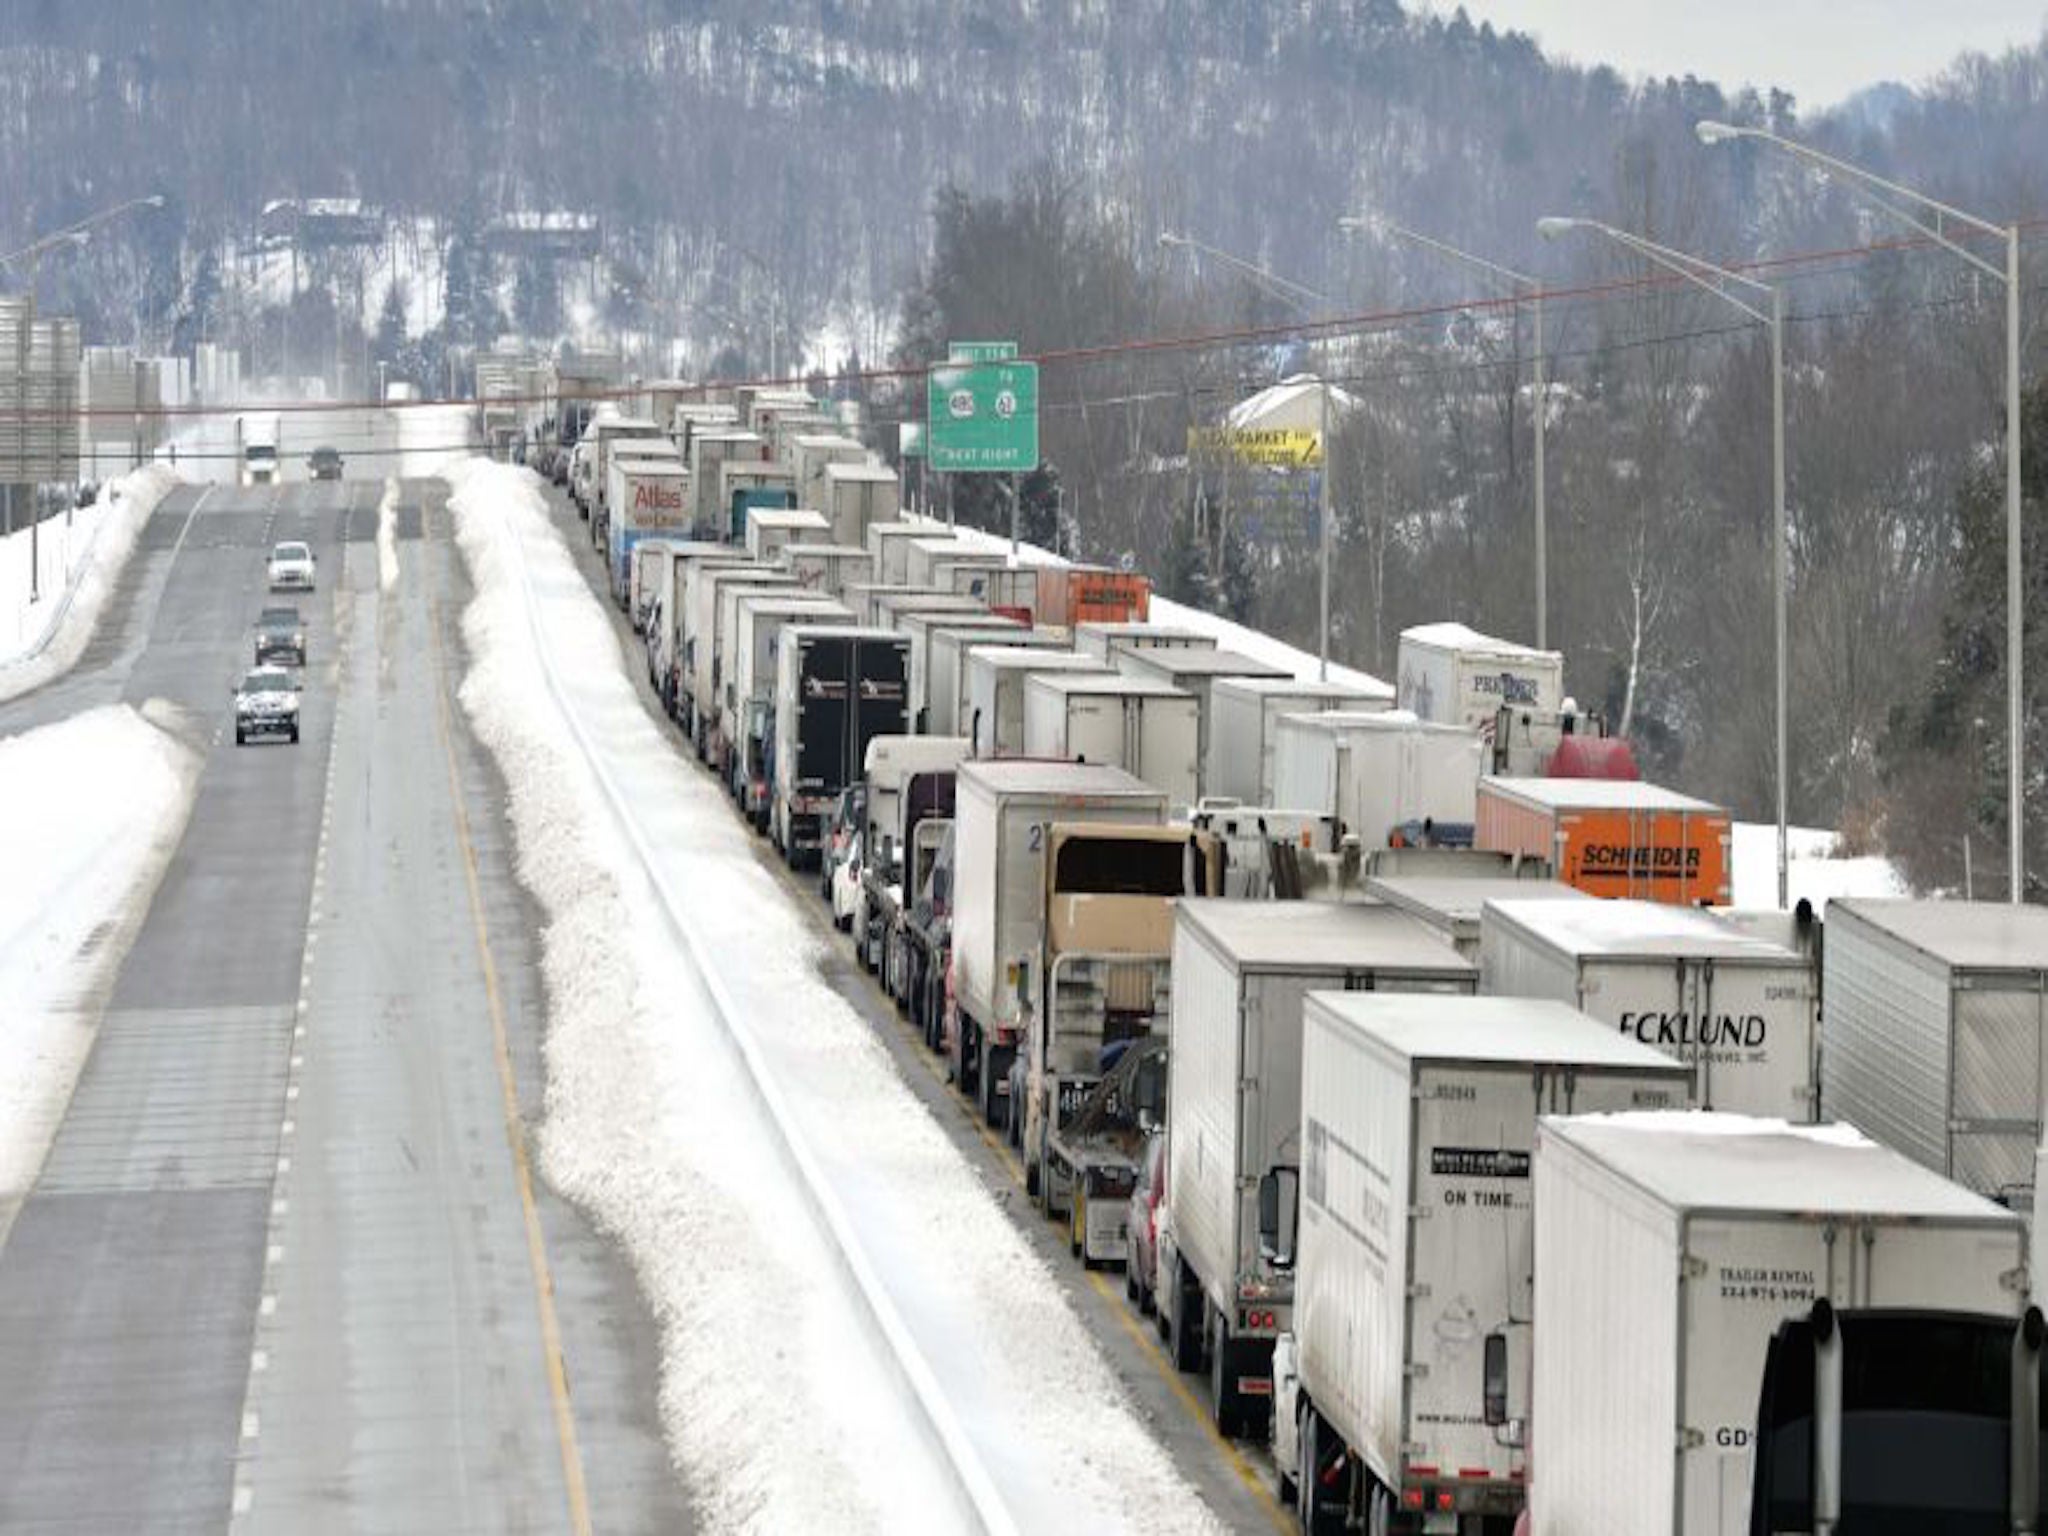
(1494, 1376)
(1279, 1200)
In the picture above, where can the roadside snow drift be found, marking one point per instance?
(90, 810)
(855, 1336)
(80, 565)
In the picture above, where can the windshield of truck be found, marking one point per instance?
(1926, 1421)
(1126, 866)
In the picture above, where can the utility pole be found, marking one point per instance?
(1323, 523)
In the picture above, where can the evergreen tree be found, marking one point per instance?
(390, 338)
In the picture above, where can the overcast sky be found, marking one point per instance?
(1820, 50)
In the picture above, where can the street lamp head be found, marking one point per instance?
(1551, 228)
(154, 200)
(1711, 132)
(1168, 238)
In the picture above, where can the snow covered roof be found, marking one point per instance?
(1029, 658)
(1119, 684)
(1459, 637)
(1649, 930)
(1972, 935)
(1037, 776)
(1292, 402)
(1352, 722)
(1457, 900)
(1596, 795)
(1307, 690)
(1319, 936)
(1431, 1027)
(1187, 661)
(1697, 1160)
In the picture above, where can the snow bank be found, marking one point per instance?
(1814, 871)
(80, 565)
(780, 1403)
(90, 810)
(387, 538)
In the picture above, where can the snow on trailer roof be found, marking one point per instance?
(1203, 662)
(1121, 684)
(867, 473)
(1056, 776)
(1706, 1161)
(1969, 935)
(1121, 629)
(848, 550)
(836, 631)
(787, 517)
(1424, 1026)
(1596, 795)
(1459, 637)
(1338, 721)
(1320, 935)
(1285, 685)
(1461, 898)
(1650, 929)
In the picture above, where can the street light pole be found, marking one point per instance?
(1518, 283)
(1931, 221)
(1301, 298)
(1713, 279)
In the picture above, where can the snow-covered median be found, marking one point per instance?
(79, 566)
(1814, 867)
(680, 980)
(90, 810)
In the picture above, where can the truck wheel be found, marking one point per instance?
(1185, 1327)
(992, 1096)
(1222, 1379)
(1032, 1186)
(295, 735)
(241, 737)
(1131, 1284)
(1077, 1224)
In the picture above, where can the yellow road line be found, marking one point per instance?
(515, 1129)
(1156, 1357)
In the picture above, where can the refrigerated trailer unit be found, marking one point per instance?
(923, 626)
(1241, 970)
(648, 497)
(1612, 837)
(837, 688)
(1452, 904)
(1195, 672)
(747, 692)
(746, 490)
(1007, 589)
(667, 652)
(706, 637)
(710, 448)
(826, 568)
(949, 710)
(1935, 1022)
(1104, 639)
(857, 496)
(1148, 728)
(1740, 1010)
(1415, 1293)
(890, 544)
(1375, 770)
(769, 533)
(807, 455)
(1668, 1250)
(1244, 718)
(994, 721)
(1456, 676)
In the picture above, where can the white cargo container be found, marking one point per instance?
(710, 448)
(1375, 771)
(711, 622)
(947, 659)
(1102, 641)
(890, 544)
(1133, 723)
(653, 558)
(1934, 1033)
(1415, 1287)
(994, 721)
(1451, 904)
(1195, 671)
(810, 452)
(1010, 588)
(755, 487)
(1240, 972)
(1743, 1012)
(1001, 811)
(1457, 676)
(668, 620)
(923, 627)
(747, 691)
(1668, 1250)
(769, 532)
(891, 608)
(647, 494)
(826, 567)
(1244, 718)
(857, 497)
(941, 549)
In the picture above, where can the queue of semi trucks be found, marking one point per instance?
(1402, 1046)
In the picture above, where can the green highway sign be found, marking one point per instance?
(983, 418)
(981, 351)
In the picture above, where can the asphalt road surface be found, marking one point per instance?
(286, 1267)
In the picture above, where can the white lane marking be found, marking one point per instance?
(260, 1360)
(245, 1496)
(251, 1426)
(274, 1254)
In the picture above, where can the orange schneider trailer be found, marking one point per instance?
(1089, 594)
(1612, 837)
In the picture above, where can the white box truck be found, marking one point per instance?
(1195, 671)
(648, 574)
(857, 496)
(1005, 588)
(647, 498)
(807, 455)
(1103, 640)
(1375, 771)
(1004, 816)
(1935, 1023)
(924, 557)
(1415, 1286)
(826, 568)
(747, 693)
(890, 544)
(667, 655)
(1740, 1010)
(1244, 717)
(770, 531)
(711, 621)
(1456, 676)
(710, 448)
(1452, 904)
(1669, 1248)
(837, 688)
(907, 807)
(946, 658)
(1150, 728)
(994, 722)
(920, 626)
(1241, 970)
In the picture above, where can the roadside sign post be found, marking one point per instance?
(981, 411)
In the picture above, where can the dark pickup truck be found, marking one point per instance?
(280, 636)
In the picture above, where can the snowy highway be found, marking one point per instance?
(418, 1176)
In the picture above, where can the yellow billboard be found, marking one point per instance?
(1273, 447)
